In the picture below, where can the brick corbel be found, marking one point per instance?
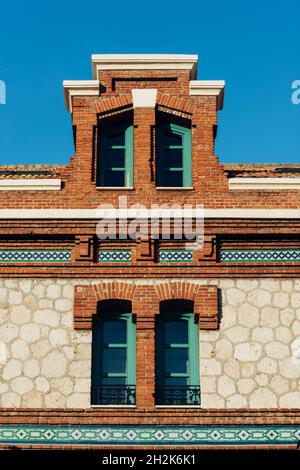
(145, 249)
(84, 248)
(209, 249)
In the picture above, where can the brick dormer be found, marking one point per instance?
(141, 94)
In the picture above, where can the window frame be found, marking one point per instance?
(192, 375)
(104, 132)
(98, 347)
(186, 169)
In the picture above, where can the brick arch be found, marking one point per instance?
(87, 296)
(106, 105)
(114, 290)
(205, 298)
(175, 103)
(177, 290)
(145, 300)
(111, 104)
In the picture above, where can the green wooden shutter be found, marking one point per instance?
(129, 156)
(174, 161)
(115, 163)
(114, 351)
(177, 352)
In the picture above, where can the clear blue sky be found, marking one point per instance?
(253, 45)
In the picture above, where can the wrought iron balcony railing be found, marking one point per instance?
(178, 395)
(114, 395)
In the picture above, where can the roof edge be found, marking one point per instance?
(145, 62)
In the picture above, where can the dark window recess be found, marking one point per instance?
(113, 354)
(115, 155)
(177, 361)
(173, 154)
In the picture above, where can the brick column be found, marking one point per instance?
(144, 120)
(84, 118)
(145, 306)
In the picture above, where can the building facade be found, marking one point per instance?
(117, 329)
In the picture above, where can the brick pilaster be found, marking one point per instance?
(147, 305)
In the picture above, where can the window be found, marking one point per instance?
(115, 168)
(113, 354)
(177, 362)
(173, 155)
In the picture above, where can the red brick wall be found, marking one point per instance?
(209, 178)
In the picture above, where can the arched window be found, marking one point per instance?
(115, 153)
(173, 153)
(113, 354)
(177, 361)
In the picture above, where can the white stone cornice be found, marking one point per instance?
(252, 214)
(145, 62)
(79, 88)
(264, 184)
(208, 88)
(30, 184)
(97, 214)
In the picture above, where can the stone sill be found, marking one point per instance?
(179, 406)
(175, 188)
(115, 188)
(113, 406)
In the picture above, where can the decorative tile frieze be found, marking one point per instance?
(114, 256)
(149, 435)
(35, 256)
(175, 256)
(245, 256)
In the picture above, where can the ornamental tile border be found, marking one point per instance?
(240, 256)
(114, 256)
(175, 256)
(35, 256)
(149, 435)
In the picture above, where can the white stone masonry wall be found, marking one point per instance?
(44, 362)
(254, 359)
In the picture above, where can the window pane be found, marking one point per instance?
(114, 332)
(176, 381)
(176, 360)
(114, 360)
(115, 158)
(172, 139)
(114, 381)
(114, 178)
(116, 139)
(176, 332)
(173, 158)
(173, 178)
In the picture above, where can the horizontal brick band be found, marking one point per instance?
(165, 416)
